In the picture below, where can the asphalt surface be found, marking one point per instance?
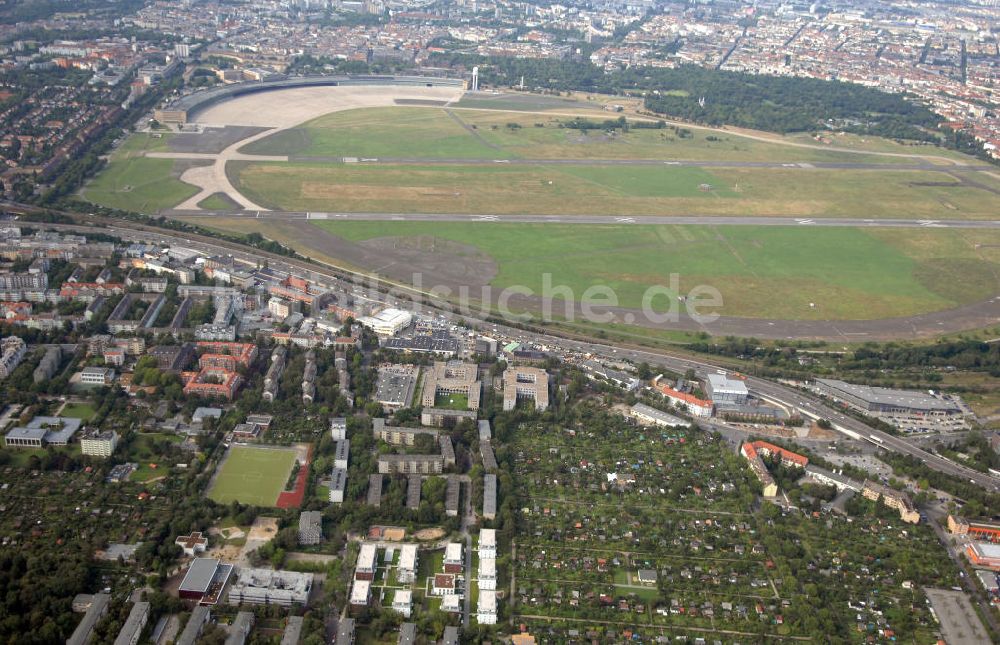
(809, 405)
(695, 220)
(690, 163)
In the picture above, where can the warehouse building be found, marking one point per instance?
(881, 400)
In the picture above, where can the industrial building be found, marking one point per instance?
(387, 322)
(984, 554)
(724, 390)
(881, 400)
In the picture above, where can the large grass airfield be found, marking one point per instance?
(488, 156)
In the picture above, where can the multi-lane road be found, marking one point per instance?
(788, 396)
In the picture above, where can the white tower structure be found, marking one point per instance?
(475, 79)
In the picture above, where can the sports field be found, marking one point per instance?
(253, 475)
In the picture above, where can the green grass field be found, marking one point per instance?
(452, 401)
(83, 411)
(217, 202)
(427, 132)
(131, 181)
(610, 190)
(253, 475)
(767, 272)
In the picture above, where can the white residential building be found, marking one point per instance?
(406, 572)
(486, 612)
(402, 601)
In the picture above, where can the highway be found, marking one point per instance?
(527, 218)
(807, 404)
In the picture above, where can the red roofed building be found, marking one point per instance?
(788, 457)
(226, 354)
(212, 382)
(695, 406)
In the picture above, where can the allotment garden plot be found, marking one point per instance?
(663, 531)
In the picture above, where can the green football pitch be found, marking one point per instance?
(253, 475)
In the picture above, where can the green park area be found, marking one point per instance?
(252, 475)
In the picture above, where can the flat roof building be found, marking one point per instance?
(452, 493)
(131, 631)
(84, 632)
(338, 428)
(525, 383)
(367, 561)
(406, 571)
(374, 490)
(885, 400)
(270, 587)
(486, 612)
(387, 322)
(310, 527)
(196, 622)
(361, 593)
(345, 632)
(341, 453)
(205, 580)
(489, 496)
(722, 389)
(413, 484)
(487, 543)
(410, 464)
(338, 485)
(489, 459)
(407, 634)
(240, 628)
(293, 630)
(446, 380)
(648, 415)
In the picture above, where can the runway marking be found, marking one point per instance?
(625, 220)
(930, 222)
(487, 218)
(805, 221)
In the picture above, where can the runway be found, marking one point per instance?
(681, 163)
(584, 219)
